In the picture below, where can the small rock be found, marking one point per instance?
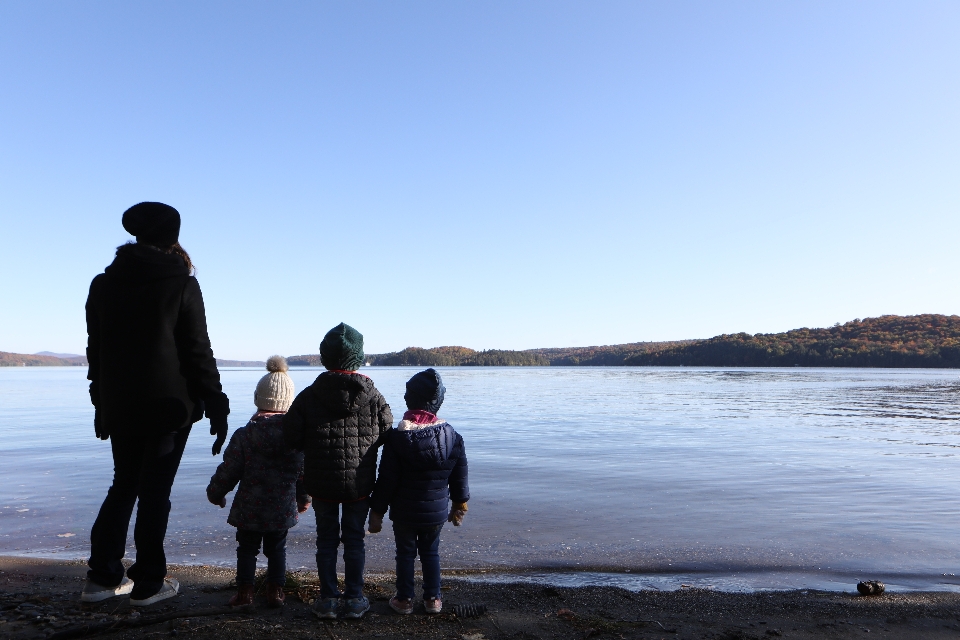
(870, 587)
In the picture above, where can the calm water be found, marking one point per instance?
(647, 478)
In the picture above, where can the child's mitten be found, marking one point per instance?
(222, 502)
(457, 511)
(376, 522)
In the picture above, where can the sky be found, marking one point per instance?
(486, 174)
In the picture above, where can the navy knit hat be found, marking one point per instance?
(153, 223)
(425, 391)
(342, 348)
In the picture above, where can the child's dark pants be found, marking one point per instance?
(332, 529)
(143, 469)
(274, 547)
(410, 542)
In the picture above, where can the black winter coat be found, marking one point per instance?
(421, 469)
(338, 422)
(151, 365)
(269, 474)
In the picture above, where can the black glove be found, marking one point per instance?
(218, 427)
(217, 409)
(98, 427)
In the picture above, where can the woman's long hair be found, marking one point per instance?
(180, 251)
(175, 249)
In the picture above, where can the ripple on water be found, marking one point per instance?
(793, 470)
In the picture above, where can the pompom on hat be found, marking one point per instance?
(275, 390)
(153, 223)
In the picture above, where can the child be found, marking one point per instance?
(338, 422)
(270, 494)
(424, 464)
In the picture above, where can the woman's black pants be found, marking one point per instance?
(144, 467)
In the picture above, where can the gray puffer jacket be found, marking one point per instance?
(269, 473)
(339, 423)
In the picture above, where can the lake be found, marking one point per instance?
(642, 477)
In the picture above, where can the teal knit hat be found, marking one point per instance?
(342, 348)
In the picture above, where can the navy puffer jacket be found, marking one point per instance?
(423, 467)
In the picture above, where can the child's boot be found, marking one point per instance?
(244, 596)
(275, 595)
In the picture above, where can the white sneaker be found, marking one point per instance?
(169, 589)
(93, 592)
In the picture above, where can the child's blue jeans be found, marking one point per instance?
(274, 547)
(410, 542)
(331, 531)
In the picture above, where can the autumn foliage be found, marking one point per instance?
(928, 340)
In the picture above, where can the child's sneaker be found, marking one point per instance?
(433, 605)
(326, 608)
(93, 592)
(403, 607)
(356, 607)
(169, 589)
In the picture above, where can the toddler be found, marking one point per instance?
(423, 467)
(270, 494)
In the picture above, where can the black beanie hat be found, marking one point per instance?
(153, 223)
(425, 391)
(342, 348)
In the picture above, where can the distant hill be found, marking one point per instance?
(929, 340)
(47, 359)
(926, 341)
(240, 363)
(38, 360)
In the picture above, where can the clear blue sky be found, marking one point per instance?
(496, 174)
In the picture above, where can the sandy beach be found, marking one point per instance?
(40, 599)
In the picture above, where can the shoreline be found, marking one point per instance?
(719, 577)
(40, 598)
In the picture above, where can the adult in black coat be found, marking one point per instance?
(152, 375)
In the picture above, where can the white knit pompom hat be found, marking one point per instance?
(275, 390)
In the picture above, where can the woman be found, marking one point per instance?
(152, 375)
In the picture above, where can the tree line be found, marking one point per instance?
(27, 360)
(928, 340)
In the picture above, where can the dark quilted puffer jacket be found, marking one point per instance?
(422, 468)
(338, 422)
(268, 472)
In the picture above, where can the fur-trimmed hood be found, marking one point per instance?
(416, 419)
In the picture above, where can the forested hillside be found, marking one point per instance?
(440, 357)
(928, 340)
(26, 360)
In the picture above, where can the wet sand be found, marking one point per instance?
(40, 599)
